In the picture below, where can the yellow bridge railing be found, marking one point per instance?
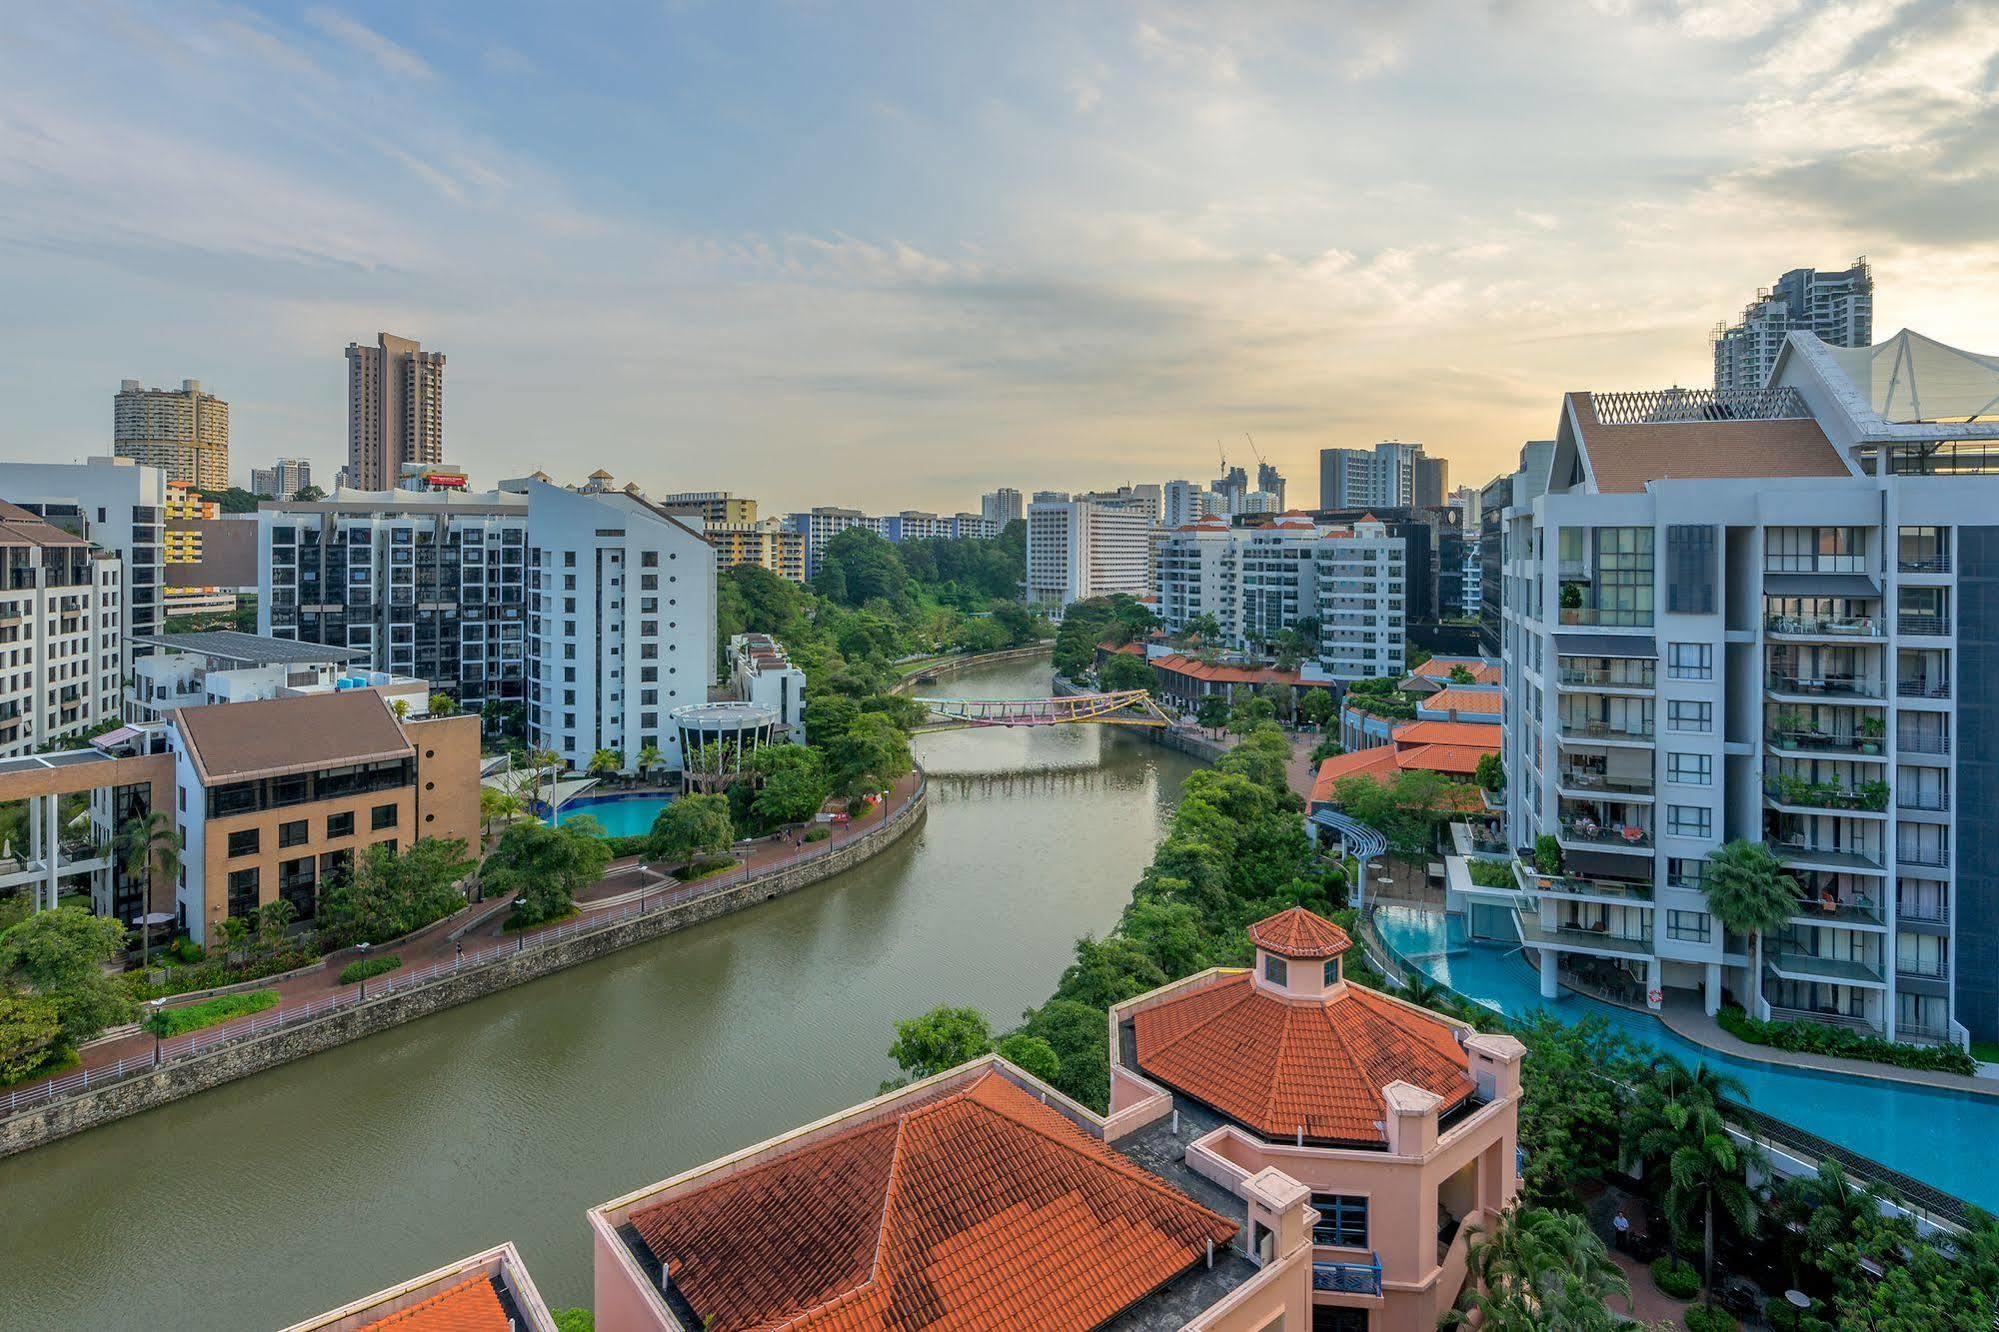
(1124, 707)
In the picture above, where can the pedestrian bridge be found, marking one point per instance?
(1124, 707)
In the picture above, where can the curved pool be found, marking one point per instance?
(1928, 1133)
(621, 815)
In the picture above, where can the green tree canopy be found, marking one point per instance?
(61, 955)
(31, 1034)
(390, 894)
(945, 1037)
(794, 783)
(872, 755)
(546, 868)
(1033, 1055)
(1747, 888)
(1121, 670)
(689, 828)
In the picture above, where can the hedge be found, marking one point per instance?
(1707, 1318)
(369, 966)
(193, 1017)
(1840, 1042)
(214, 975)
(817, 835)
(1676, 1278)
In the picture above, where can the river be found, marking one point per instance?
(265, 1201)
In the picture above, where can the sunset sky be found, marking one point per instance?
(894, 255)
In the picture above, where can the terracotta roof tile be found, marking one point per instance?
(1378, 762)
(1277, 1065)
(470, 1306)
(1455, 759)
(1195, 668)
(1482, 733)
(1460, 699)
(1483, 672)
(1622, 458)
(1296, 932)
(235, 741)
(976, 1208)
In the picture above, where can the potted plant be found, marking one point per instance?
(1871, 730)
(1874, 794)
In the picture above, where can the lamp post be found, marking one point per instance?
(154, 1022)
(363, 948)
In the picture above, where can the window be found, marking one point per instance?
(340, 825)
(1342, 1220)
(1685, 873)
(1689, 926)
(1689, 820)
(1690, 661)
(1690, 570)
(1690, 769)
(245, 842)
(1332, 971)
(242, 892)
(293, 834)
(1685, 715)
(1276, 971)
(382, 816)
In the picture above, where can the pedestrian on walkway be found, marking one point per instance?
(1622, 1225)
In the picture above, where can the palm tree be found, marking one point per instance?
(605, 762)
(1538, 1270)
(1825, 1211)
(1705, 1169)
(1426, 993)
(649, 757)
(495, 803)
(1749, 892)
(149, 842)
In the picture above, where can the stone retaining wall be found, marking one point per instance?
(184, 1077)
(949, 667)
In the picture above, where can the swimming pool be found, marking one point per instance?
(621, 815)
(1927, 1133)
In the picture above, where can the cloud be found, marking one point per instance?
(393, 59)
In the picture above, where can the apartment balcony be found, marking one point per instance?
(1923, 857)
(1605, 619)
(1822, 688)
(1933, 973)
(1832, 910)
(1923, 626)
(1835, 860)
(1821, 628)
(1790, 964)
(1845, 1020)
(1573, 937)
(1589, 835)
(1347, 1278)
(1922, 743)
(1569, 887)
(1924, 564)
(1811, 740)
(1593, 785)
(1922, 688)
(1604, 733)
(1915, 798)
(1868, 800)
(1609, 682)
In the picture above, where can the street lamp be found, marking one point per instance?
(154, 1022)
(363, 948)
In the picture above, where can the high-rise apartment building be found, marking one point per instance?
(1838, 307)
(427, 583)
(711, 506)
(1078, 549)
(62, 651)
(1429, 481)
(1002, 506)
(282, 479)
(1387, 476)
(621, 625)
(116, 504)
(1258, 582)
(183, 432)
(1231, 485)
(395, 410)
(767, 543)
(1182, 502)
(1764, 615)
(1270, 483)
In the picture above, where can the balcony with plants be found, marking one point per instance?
(1603, 824)
(1822, 619)
(1834, 843)
(1792, 790)
(1828, 729)
(1839, 899)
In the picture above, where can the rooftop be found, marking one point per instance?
(473, 1305)
(251, 649)
(974, 1206)
(1430, 732)
(232, 742)
(1482, 672)
(487, 1292)
(1297, 932)
(1462, 698)
(1630, 439)
(1195, 668)
(18, 527)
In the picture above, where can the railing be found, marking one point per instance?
(1929, 626)
(1809, 1146)
(286, 1016)
(1821, 795)
(1572, 569)
(1841, 909)
(1850, 743)
(1828, 686)
(1918, 743)
(1834, 626)
(1627, 834)
(1907, 797)
(1933, 913)
(1652, 406)
(1347, 1278)
(1596, 781)
(1823, 1019)
(1920, 970)
(1596, 730)
(1603, 679)
(1923, 563)
(1836, 969)
(1932, 857)
(1922, 688)
(1829, 854)
(1570, 886)
(1612, 617)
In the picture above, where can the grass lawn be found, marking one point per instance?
(704, 869)
(1986, 1052)
(193, 1017)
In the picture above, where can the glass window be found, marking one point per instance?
(1689, 820)
(1686, 715)
(1689, 926)
(242, 892)
(244, 842)
(294, 833)
(382, 816)
(1275, 971)
(1332, 971)
(1685, 873)
(1690, 661)
(1342, 1220)
(1690, 769)
(340, 825)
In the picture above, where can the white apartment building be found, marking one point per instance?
(1002, 506)
(1381, 477)
(61, 646)
(763, 675)
(1837, 306)
(282, 479)
(117, 505)
(621, 622)
(1258, 582)
(1183, 502)
(1765, 614)
(1078, 549)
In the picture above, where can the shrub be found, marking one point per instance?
(1490, 873)
(193, 1017)
(1707, 1318)
(702, 869)
(1676, 1277)
(1839, 1042)
(817, 834)
(369, 966)
(1783, 1318)
(214, 975)
(575, 1320)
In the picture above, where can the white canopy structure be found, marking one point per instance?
(1911, 378)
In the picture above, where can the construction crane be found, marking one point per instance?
(1253, 449)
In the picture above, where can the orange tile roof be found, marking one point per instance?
(1622, 458)
(1197, 669)
(1130, 649)
(1378, 762)
(1296, 932)
(1455, 759)
(1459, 699)
(976, 1208)
(1483, 672)
(470, 1306)
(1276, 1065)
(1485, 734)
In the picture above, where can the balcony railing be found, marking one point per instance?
(1609, 618)
(1596, 781)
(1567, 885)
(1920, 743)
(1872, 797)
(1586, 729)
(1923, 563)
(1534, 934)
(1909, 797)
(1932, 857)
(1841, 910)
(1825, 686)
(1583, 830)
(1826, 741)
(1920, 688)
(1846, 1020)
(1930, 626)
(1920, 970)
(1836, 969)
(1929, 913)
(1347, 1278)
(1824, 626)
(1841, 857)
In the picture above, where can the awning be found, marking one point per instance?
(1819, 585)
(1600, 864)
(1605, 645)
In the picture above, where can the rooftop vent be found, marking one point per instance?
(1661, 406)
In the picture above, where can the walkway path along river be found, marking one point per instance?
(298, 1189)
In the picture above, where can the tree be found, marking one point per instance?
(1283, 699)
(1328, 747)
(1318, 707)
(1747, 888)
(649, 757)
(495, 803)
(308, 495)
(388, 895)
(1571, 1110)
(606, 762)
(1541, 1270)
(794, 783)
(1122, 670)
(873, 755)
(1032, 1055)
(545, 867)
(443, 705)
(1203, 626)
(943, 1038)
(273, 919)
(1461, 674)
(1251, 713)
(1212, 712)
(31, 1034)
(401, 707)
(61, 955)
(1405, 808)
(1489, 773)
(150, 848)
(1676, 1122)
(691, 827)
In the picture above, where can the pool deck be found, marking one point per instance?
(1685, 1018)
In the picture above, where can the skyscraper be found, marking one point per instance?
(395, 410)
(183, 432)
(1384, 477)
(1269, 482)
(1003, 506)
(1837, 306)
(1232, 485)
(1429, 480)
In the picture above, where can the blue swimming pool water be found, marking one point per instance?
(1927, 1133)
(622, 816)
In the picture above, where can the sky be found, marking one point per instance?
(892, 256)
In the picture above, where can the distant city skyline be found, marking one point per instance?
(1060, 250)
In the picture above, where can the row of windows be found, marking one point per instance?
(297, 832)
